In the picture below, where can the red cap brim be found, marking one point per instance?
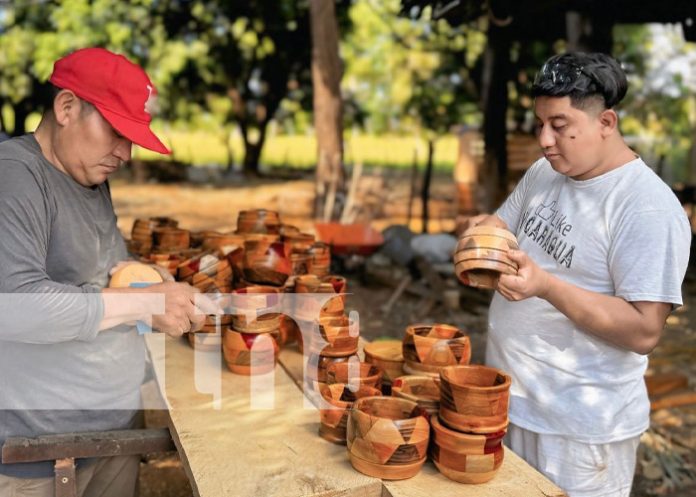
(137, 132)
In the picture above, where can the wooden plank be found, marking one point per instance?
(515, 478)
(244, 450)
(87, 444)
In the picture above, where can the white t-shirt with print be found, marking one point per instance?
(623, 233)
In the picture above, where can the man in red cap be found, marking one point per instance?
(70, 361)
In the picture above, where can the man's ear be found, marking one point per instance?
(66, 107)
(609, 121)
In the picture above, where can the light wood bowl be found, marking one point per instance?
(237, 351)
(339, 399)
(258, 221)
(366, 375)
(464, 457)
(481, 256)
(427, 348)
(387, 437)
(423, 390)
(265, 263)
(386, 355)
(474, 398)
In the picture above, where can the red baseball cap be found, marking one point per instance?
(118, 88)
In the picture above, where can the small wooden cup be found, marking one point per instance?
(428, 348)
(387, 437)
(465, 457)
(474, 398)
(334, 416)
(365, 374)
(423, 390)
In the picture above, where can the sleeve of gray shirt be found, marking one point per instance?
(33, 308)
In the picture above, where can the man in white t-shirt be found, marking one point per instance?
(604, 247)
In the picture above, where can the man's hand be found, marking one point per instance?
(185, 308)
(530, 280)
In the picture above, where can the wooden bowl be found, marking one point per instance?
(339, 398)
(465, 457)
(299, 243)
(171, 239)
(254, 309)
(317, 364)
(423, 390)
(388, 356)
(427, 348)
(241, 349)
(337, 336)
(311, 283)
(362, 373)
(474, 398)
(481, 256)
(265, 263)
(299, 262)
(387, 437)
(258, 221)
(321, 259)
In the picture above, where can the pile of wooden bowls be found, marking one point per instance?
(423, 390)
(388, 356)
(387, 437)
(473, 417)
(338, 399)
(427, 348)
(250, 344)
(481, 256)
(258, 221)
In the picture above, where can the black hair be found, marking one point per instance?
(584, 77)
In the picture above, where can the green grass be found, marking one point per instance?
(299, 151)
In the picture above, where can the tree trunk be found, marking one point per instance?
(21, 112)
(495, 105)
(425, 193)
(252, 151)
(326, 81)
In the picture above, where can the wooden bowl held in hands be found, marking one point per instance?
(339, 399)
(474, 398)
(134, 273)
(387, 437)
(481, 256)
(428, 348)
(466, 457)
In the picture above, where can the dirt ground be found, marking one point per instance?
(204, 207)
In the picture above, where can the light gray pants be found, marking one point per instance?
(105, 477)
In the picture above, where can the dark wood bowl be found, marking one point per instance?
(427, 348)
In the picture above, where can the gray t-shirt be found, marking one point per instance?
(623, 234)
(58, 240)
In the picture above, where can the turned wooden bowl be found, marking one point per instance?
(299, 243)
(338, 399)
(254, 309)
(171, 238)
(332, 284)
(249, 353)
(360, 373)
(317, 365)
(423, 390)
(388, 356)
(265, 263)
(474, 398)
(337, 336)
(466, 457)
(387, 437)
(224, 242)
(481, 256)
(427, 348)
(321, 259)
(258, 221)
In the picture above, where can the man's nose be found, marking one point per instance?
(123, 149)
(546, 138)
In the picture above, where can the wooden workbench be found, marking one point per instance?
(231, 448)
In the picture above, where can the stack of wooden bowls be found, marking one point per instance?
(481, 256)
(320, 262)
(473, 417)
(423, 390)
(207, 272)
(387, 437)
(258, 221)
(265, 262)
(333, 340)
(388, 356)
(250, 345)
(142, 233)
(428, 348)
(337, 400)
